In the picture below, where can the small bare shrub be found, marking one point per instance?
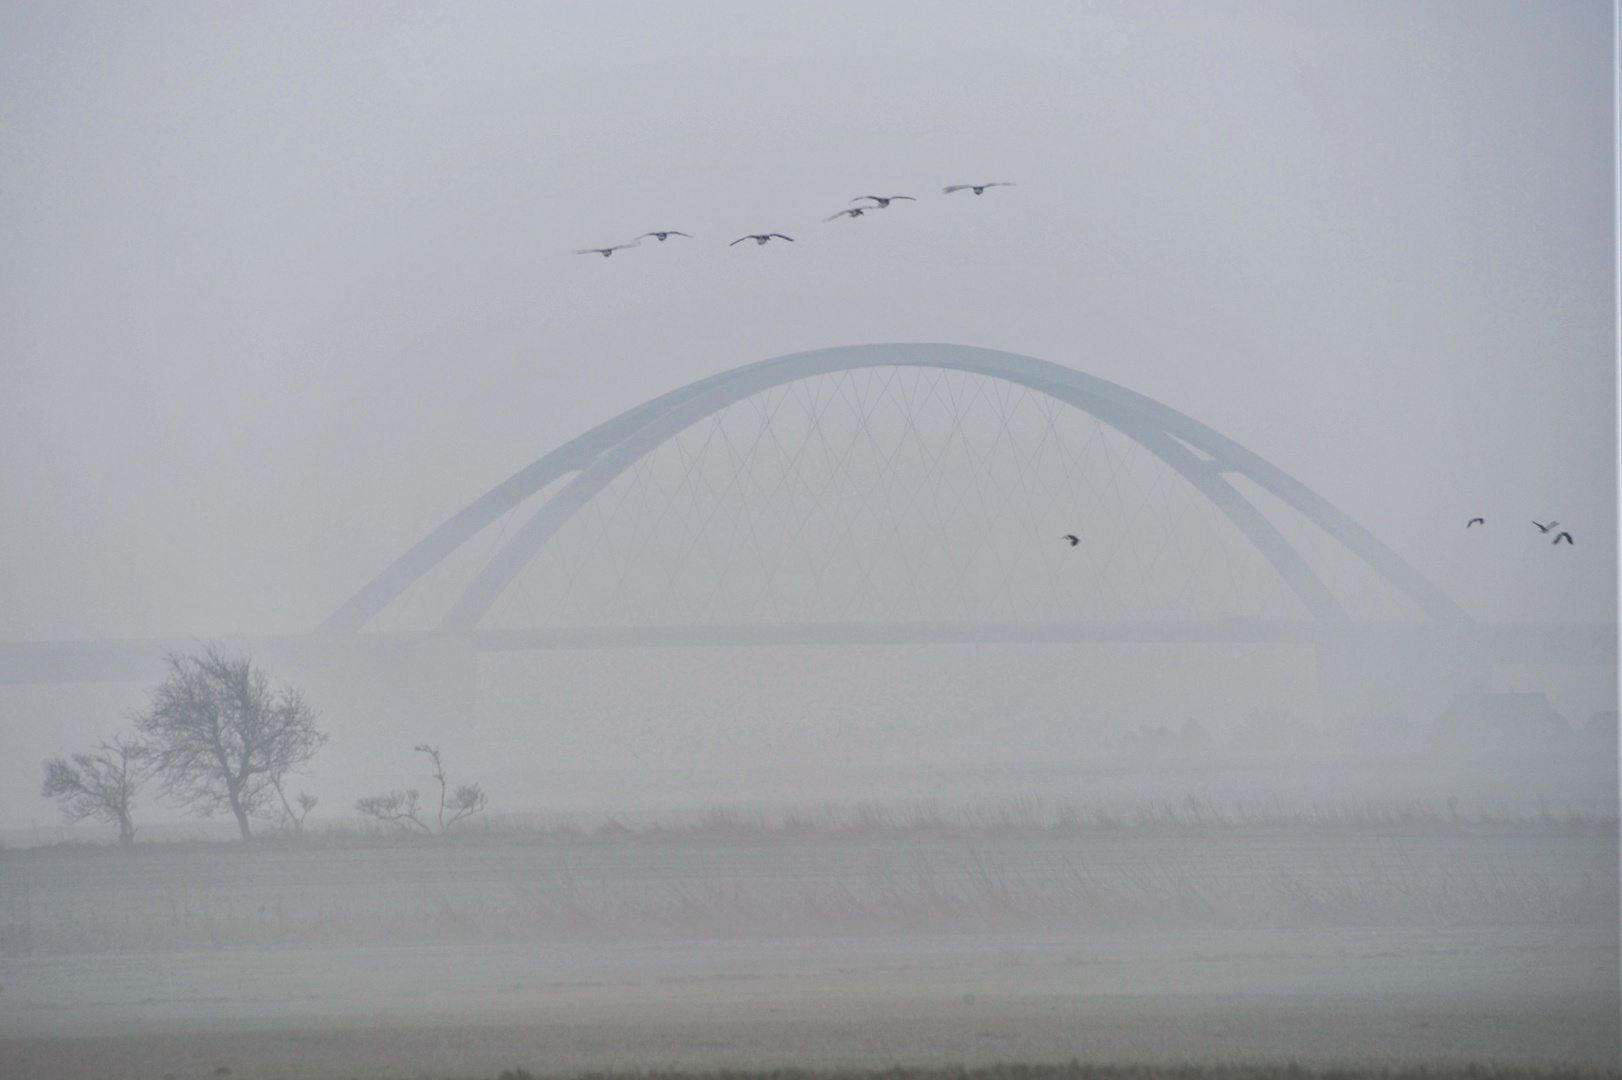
(404, 808)
(293, 820)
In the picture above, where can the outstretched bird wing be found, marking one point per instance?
(1566, 537)
(1074, 540)
(780, 236)
(1475, 521)
(740, 240)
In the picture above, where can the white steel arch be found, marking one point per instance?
(1195, 451)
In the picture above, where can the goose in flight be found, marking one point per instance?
(1566, 537)
(1545, 528)
(762, 237)
(1475, 521)
(1073, 538)
(660, 236)
(853, 212)
(883, 201)
(978, 189)
(607, 251)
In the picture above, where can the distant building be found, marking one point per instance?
(1600, 734)
(1509, 720)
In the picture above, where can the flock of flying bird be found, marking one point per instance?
(882, 202)
(1560, 537)
(870, 203)
(1542, 528)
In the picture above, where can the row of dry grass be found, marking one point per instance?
(969, 891)
(927, 818)
(1076, 1070)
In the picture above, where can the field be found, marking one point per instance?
(854, 937)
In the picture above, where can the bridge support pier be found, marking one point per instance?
(1396, 673)
(387, 685)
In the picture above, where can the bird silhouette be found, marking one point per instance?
(660, 236)
(607, 251)
(978, 189)
(853, 212)
(1475, 521)
(761, 238)
(1566, 537)
(1073, 538)
(883, 201)
(1545, 528)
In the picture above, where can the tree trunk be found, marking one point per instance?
(126, 830)
(242, 816)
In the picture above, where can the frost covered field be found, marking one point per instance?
(846, 937)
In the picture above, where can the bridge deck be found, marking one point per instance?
(137, 660)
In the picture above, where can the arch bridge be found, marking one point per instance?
(1438, 642)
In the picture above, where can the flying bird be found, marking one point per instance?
(1566, 537)
(1475, 521)
(607, 251)
(1545, 528)
(761, 238)
(1073, 538)
(978, 189)
(660, 236)
(883, 201)
(853, 212)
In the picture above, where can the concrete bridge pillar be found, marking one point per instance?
(383, 684)
(1395, 671)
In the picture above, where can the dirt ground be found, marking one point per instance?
(1439, 946)
(1535, 997)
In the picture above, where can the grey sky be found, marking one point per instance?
(287, 285)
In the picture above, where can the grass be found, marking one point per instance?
(851, 870)
(1003, 818)
(1076, 1070)
(1007, 818)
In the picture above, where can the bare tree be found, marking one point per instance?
(223, 738)
(404, 808)
(101, 784)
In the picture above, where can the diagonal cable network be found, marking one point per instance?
(894, 493)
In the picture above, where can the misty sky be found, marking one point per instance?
(287, 285)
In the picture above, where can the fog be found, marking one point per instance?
(288, 287)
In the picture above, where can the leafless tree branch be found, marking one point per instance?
(400, 808)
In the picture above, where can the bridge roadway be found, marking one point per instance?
(141, 660)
